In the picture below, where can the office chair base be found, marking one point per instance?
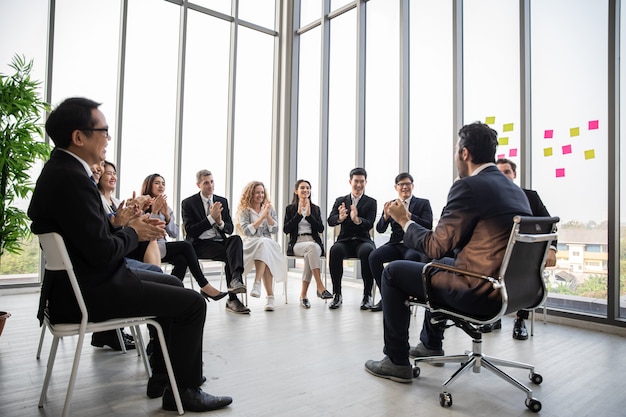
(475, 360)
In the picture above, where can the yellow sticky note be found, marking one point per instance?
(590, 154)
(547, 151)
(503, 141)
(574, 131)
(489, 120)
(507, 127)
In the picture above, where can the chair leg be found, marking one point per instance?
(141, 349)
(74, 373)
(43, 332)
(508, 378)
(46, 381)
(120, 338)
(168, 366)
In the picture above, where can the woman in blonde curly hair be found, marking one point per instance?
(256, 222)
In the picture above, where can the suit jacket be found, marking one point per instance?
(421, 213)
(476, 223)
(292, 220)
(196, 221)
(537, 207)
(66, 201)
(349, 230)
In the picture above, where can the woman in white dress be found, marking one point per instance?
(256, 222)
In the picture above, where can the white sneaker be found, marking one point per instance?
(256, 289)
(270, 303)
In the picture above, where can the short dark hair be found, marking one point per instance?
(358, 171)
(72, 114)
(480, 140)
(507, 161)
(402, 175)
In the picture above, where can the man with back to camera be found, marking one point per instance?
(475, 224)
(97, 249)
(419, 210)
(207, 222)
(355, 213)
(508, 168)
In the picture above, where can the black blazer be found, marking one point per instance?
(293, 218)
(349, 230)
(196, 220)
(66, 201)
(537, 207)
(421, 212)
(476, 224)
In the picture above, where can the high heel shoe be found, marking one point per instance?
(324, 295)
(217, 297)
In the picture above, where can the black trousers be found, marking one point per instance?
(182, 256)
(229, 251)
(351, 249)
(388, 253)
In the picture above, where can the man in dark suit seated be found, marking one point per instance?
(356, 214)
(419, 211)
(208, 223)
(508, 168)
(97, 249)
(475, 224)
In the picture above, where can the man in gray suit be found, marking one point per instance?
(475, 224)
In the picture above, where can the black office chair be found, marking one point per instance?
(521, 285)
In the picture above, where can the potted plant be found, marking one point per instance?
(21, 131)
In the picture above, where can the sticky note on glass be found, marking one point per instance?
(489, 120)
(548, 134)
(500, 156)
(513, 152)
(593, 124)
(507, 127)
(574, 131)
(547, 151)
(590, 154)
(503, 141)
(560, 172)
(567, 149)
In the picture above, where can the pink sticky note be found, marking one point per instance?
(513, 152)
(548, 134)
(501, 156)
(593, 124)
(567, 149)
(560, 172)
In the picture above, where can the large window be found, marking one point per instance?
(569, 142)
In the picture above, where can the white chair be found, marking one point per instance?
(57, 259)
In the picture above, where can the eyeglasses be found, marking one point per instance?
(404, 184)
(99, 129)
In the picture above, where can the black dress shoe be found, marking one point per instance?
(158, 383)
(337, 301)
(305, 303)
(378, 306)
(236, 306)
(194, 399)
(366, 304)
(236, 285)
(487, 328)
(519, 330)
(217, 297)
(324, 295)
(109, 338)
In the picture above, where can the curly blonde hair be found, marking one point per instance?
(247, 196)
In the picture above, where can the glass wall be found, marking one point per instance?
(570, 145)
(208, 99)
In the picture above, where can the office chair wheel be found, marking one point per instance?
(416, 371)
(536, 378)
(533, 405)
(445, 399)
